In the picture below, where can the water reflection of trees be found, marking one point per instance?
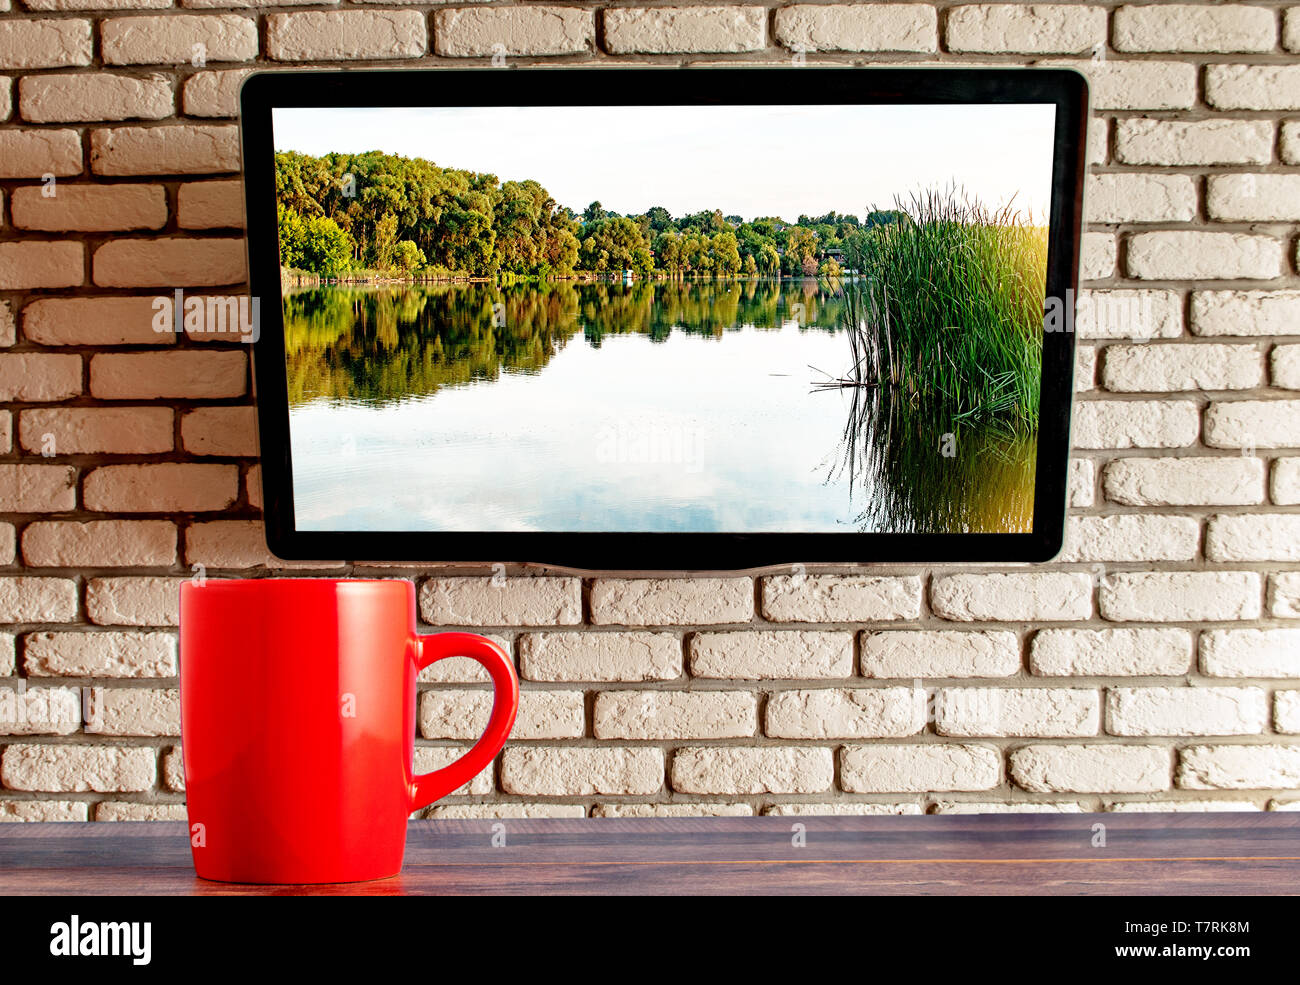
(382, 345)
(923, 473)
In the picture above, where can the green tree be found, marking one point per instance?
(407, 256)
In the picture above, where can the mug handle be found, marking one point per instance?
(428, 787)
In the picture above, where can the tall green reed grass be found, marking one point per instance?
(948, 310)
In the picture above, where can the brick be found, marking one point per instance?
(1284, 595)
(741, 770)
(1114, 198)
(227, 544)
(162, 488)
(25, 600)
(840, 808)
(37, 488)
(1253, 537)
(1179, 596)
(518, 601)
(1085, 368)
(77, 769)
(226, 431)
(1253, 87)
(430, 758)
(1091, 768)
(1284, 368)
(1253, 424)
(1291, 30)
(211, 205)
(1135, 424)
(170, 262)
(675, 714)
(1138, 711)
(1134, 84)
(1131, 537)
(1136, 315)
(600, 656)
(330, 35)
(1250, 653)
(672, 810)
(1098, 152)
(180, 149)
(134, 711)
(1286, 712)
(44, 43)
(1284, 488)
(42, 810)
(1038, 596)
(177, 39)
(90, 208)
(108, 654)
(1017, 807)
(1180, 143)
(99, 4)
(478, 32)
(213, 93)
(8, 665)
(1229, 767)
(1253, 197)
(96, 430)
(1110, 652)
(88, 98)
(173, 770)
(194, 375)
(1177, 255)
(34, 153)
(971, 712)
(1170, 367)
(97, 321)
(40, 710)
(1081, 482)
(1248, 313)
(919, 768)
(1229, 480)
(1183, 806)
(132, 811)
(671, 601)
(511, 810)
(8, 332)
(99, 543)
(39, 376)
(1097, 256)
(1030, 29)
(253, 486)
(1194, 28)
(858, 27)
(939, 654)
(558, 771)
(840, 598)
(134, 601)
(666, 30)
(835, 713)
(1290, 142)
(463, 714)
(38, 263)
(771, 655)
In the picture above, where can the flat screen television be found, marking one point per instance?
(687, 319)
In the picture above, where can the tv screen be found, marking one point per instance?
(801, 313)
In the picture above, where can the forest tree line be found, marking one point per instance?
(341, 213)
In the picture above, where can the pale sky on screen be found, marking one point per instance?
(745, 160)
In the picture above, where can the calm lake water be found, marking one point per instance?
(643, 407)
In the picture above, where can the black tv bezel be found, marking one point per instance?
(598, 86)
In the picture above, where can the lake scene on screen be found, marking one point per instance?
(531, 338)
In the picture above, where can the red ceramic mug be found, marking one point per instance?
(298, 725)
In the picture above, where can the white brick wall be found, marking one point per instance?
(1152, 666)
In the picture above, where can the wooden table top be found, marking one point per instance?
(1006, 854)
